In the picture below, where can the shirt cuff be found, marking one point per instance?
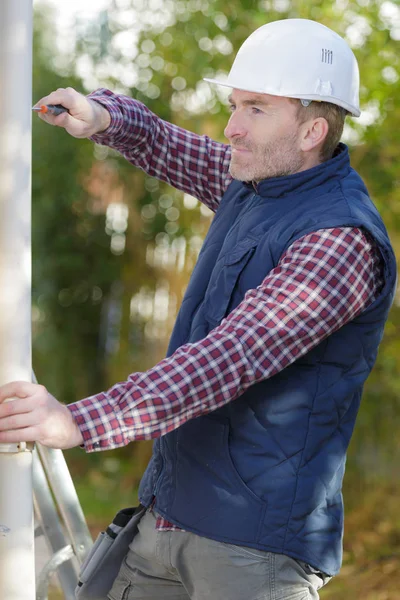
(106, 99)
(98, 433)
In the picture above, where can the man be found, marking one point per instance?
(255, 404)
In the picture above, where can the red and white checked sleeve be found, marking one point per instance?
(323, 280)
(194, 164)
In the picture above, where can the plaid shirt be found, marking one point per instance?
(321, 282)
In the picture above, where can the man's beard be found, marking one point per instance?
(273, 159)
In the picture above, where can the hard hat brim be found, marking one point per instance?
(355, 112)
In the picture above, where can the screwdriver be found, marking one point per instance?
(50, 109)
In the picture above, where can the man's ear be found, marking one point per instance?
(313, 133)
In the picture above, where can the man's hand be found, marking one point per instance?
(85, 117)
(36, 416)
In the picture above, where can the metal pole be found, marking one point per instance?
(17, 572)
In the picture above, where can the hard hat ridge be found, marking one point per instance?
(297, 58)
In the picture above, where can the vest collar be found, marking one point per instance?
(276, 187)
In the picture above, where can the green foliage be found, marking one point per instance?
(71, 258)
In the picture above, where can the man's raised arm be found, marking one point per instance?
(191, 163)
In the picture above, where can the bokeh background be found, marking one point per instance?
(113, 248)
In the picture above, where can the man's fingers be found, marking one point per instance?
(17, 406)
(21, 419)
(27, 434)
(84, 118)
(61, 120)
(14, 389)
(52, 98)
(65, 96)
(20, 389)
(17, 421)
(35, 415)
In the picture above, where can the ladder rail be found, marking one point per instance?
(57, 561)
(53, 532)
(67, 500)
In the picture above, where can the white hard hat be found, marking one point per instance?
(297, 58)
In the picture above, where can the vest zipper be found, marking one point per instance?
(160, 475)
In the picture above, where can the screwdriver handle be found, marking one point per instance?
(51, 109)
(54, 109)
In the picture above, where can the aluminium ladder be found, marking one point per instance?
(60, 519)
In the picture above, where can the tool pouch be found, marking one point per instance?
(104, 560)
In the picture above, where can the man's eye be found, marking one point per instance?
(232, 107)
(255, 110)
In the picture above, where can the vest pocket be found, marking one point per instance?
(210, 496)
(234, 473)
(224, 291)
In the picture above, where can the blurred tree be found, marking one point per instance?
(73, 268)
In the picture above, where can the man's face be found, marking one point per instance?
(264, 135)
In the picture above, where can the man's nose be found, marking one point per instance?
(235, 127)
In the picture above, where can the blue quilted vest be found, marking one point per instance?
(266, 470)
